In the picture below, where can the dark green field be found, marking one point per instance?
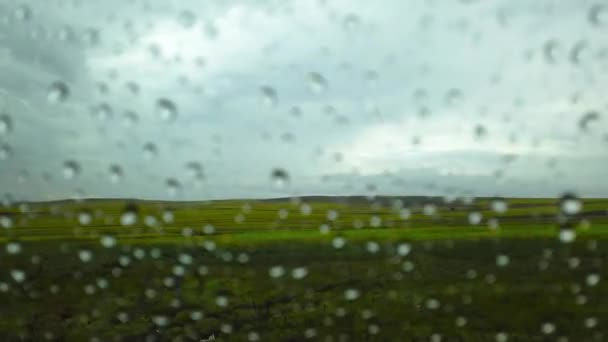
(318, 269)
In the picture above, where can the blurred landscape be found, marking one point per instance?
(311, 268)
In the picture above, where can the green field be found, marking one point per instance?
(318, 269)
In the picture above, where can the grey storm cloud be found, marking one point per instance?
(393, 97)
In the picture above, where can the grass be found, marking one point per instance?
(393, 279)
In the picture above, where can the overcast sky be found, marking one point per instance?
(421, 97)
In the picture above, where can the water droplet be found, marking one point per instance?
(276, 271)
(116, 173)
(167, 110)
(150, 151)
(404, 249)
(299, 272)
(186, 18)
(5, 151)
(351, 294)
(598, 15)
(103, 112)
(501, 337)
(587, 120)
(429, 209)
(58, 92)
(18, 275)
(6, 221)
(570, 204)
(173, 187)
(567, 235)
(475, 218)
(432, 304)
(221, 301)
(194, 170)
(592, 279)
(351, 22)
(91, 36)
(317, 83)
(499, 205)
(547, 328)
(480, 132)
(71, 169)
(107, 241)
(269, 96)
(372, 247)
(338, 242)
(590, 322)
(6, 124)
(279, 177)
(23, 13)
(129, 215)
(85, 218)
(160, 320)
(502, 260)
(13, 248)
(305, 209)
(85, 255)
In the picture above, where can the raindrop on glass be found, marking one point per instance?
(150, 151)
(570, 204)
(23, 13)
(279, 177)
(173, 187)
(58, 92)
(6, 124)
(116, 173)
(269, 96)
(186, 18)
(567, 235)
(499, 205)
(316, 83)
(71, 169)
(129, 215)
(475, 218)
(166, 109)
(587, 120)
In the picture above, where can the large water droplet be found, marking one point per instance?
(269, 96)
(475, 218)
(351, 22)
(150, 151)
(598, 15)
(499, 205)
(107, 241)
(276, 271)
(116, 173)
(6, 124)
(587, 120)
(279, 177)
(18, 275)
(173, 187)
(186, 18)
(299, 272)
(103, 112)
(351, 294)
(58, 92)
(71, 169)
(317, 83)
(129, 215)
(23, 13)
(567, 235)
(194, 170)
(166, 109)
(5, 151)
(570, 204)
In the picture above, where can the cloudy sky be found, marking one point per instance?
(424, 97)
